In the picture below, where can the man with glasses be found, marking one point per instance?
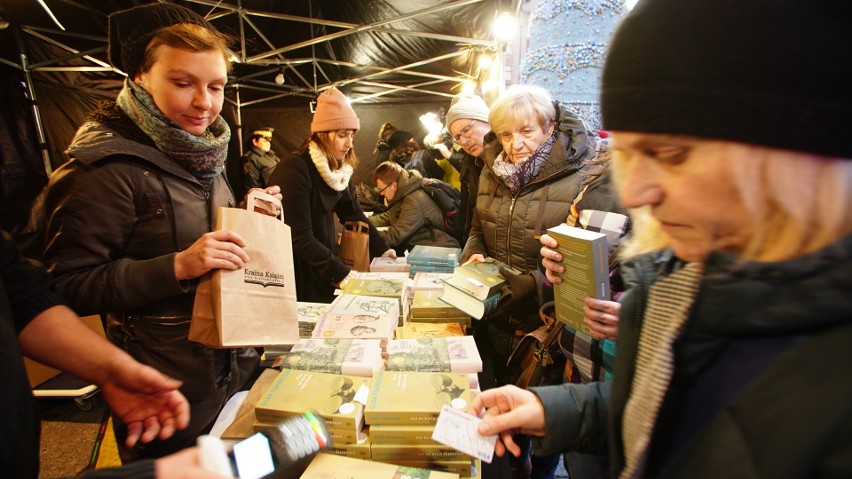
(259, 161)
(467, 122)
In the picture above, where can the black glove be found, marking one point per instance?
(518, 298)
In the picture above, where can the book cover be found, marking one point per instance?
(356, 357)
(330, 395)
(381, 275)
(480, 280)
(406, 397)
(585, 255)
(384, 288)
(452, 354)
(359, 317)
(425, 268)
(470, 305)
(434, 256)
(382, 264)
(339, 436)
(415, 452)
(308, 314)
(325, 466)
(428, 304)
(401, 434)
(417, 330)
(429, 281)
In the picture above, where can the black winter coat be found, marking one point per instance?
(309, 208)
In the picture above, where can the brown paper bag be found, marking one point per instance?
(354, 248)
(255, 305)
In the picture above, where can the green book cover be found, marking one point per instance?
(585, 255)
(469, 305)
(428, 304)
(434, 255)
(480, 280)
(384, 288)
(401, 434)
(405, 397)
(331, 395)
(453, 354)
(357, 357)
(412, 452)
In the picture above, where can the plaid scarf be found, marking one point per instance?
(517, 175)
(203, 156)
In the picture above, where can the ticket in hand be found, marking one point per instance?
(458, 430)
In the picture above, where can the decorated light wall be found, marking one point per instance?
(567, 44)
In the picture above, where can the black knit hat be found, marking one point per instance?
(130, 31)
(775, 73)
(399, 138)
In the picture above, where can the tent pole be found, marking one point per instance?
(39, 127)
(239, 118)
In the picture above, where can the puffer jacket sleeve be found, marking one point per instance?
(475, 238)
(92, 216)
(575, 418)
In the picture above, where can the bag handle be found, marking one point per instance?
(356, 226)
(259, 200)
(547, 315)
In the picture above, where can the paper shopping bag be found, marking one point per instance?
(255, 305)
(354, 248)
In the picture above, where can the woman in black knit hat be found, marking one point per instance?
(731, 124)
(131, 214)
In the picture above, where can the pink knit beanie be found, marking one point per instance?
(334, 113)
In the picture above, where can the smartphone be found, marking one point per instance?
(280, 452)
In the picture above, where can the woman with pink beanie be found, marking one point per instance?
(316, 185)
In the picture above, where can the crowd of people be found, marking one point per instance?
(722, 183)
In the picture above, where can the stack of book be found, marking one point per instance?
(359, 317)
(475, 287)
(382, 285)
(457, 354)
(332, 396)
(433, 259)
(428, 307)
(309, 314)
(415, 330)
(402, 410)
(352, 357)
(428, 282)
(389, 265)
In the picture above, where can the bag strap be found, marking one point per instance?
(259, 200)
(547, 315)
(356, 226)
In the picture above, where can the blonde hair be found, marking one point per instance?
(799, 202)
(186, 36)
(325, 142)
(520, 102)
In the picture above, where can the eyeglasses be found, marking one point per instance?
(380, 191)
(465, 132)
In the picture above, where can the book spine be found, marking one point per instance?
(400, 418)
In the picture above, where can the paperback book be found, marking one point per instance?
(384, 265)
(406, 397)
(331, 395)
(356, 357)
(586, 259)
(456, 354)
(434, 256)
(308, 315)
(428, 306)
(359, 317)
(418, 330)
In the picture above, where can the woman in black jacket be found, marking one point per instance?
(316, 185)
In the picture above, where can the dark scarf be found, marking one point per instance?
(517, 175)
(203, 156)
